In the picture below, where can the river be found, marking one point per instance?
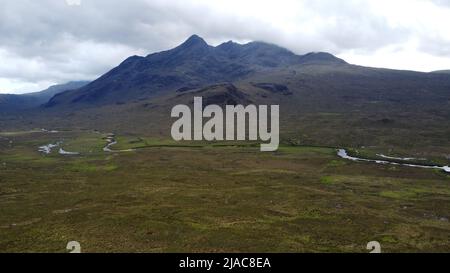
(343, 154)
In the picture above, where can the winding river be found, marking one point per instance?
(110, 139)
(110, 142)
(63, 152)
(343, 154)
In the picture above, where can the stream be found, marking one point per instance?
(47, 149)
(343, 154)
(111, 141)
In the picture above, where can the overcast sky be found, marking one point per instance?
(49, 41)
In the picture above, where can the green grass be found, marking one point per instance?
(328, 180)
(169, 197)
(399, 194)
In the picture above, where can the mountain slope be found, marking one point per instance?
(442, 71)
(192, 64)
(12, 102)
(48, 93)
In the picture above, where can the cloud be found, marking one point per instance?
(49, 41)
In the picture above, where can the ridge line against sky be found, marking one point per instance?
(49, 41)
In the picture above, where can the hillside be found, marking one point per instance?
(442, 71)
(12, 102)
(48, 93)
(193, 64)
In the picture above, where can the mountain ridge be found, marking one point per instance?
(193, 62)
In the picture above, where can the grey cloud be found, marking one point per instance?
(64, 42)
(444, 3)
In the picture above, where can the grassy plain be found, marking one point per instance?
(167, 197)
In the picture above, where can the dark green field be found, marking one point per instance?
(165, 197)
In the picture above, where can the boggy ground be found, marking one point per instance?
(168, 197)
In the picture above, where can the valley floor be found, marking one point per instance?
(167, 197)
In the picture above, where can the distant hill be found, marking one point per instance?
(48, 93)
(442, 71)
(12, 102)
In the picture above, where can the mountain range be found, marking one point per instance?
(191, 65)
(323, 99)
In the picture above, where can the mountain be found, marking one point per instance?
(323, 99)
(12, 102)
(192, 64)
